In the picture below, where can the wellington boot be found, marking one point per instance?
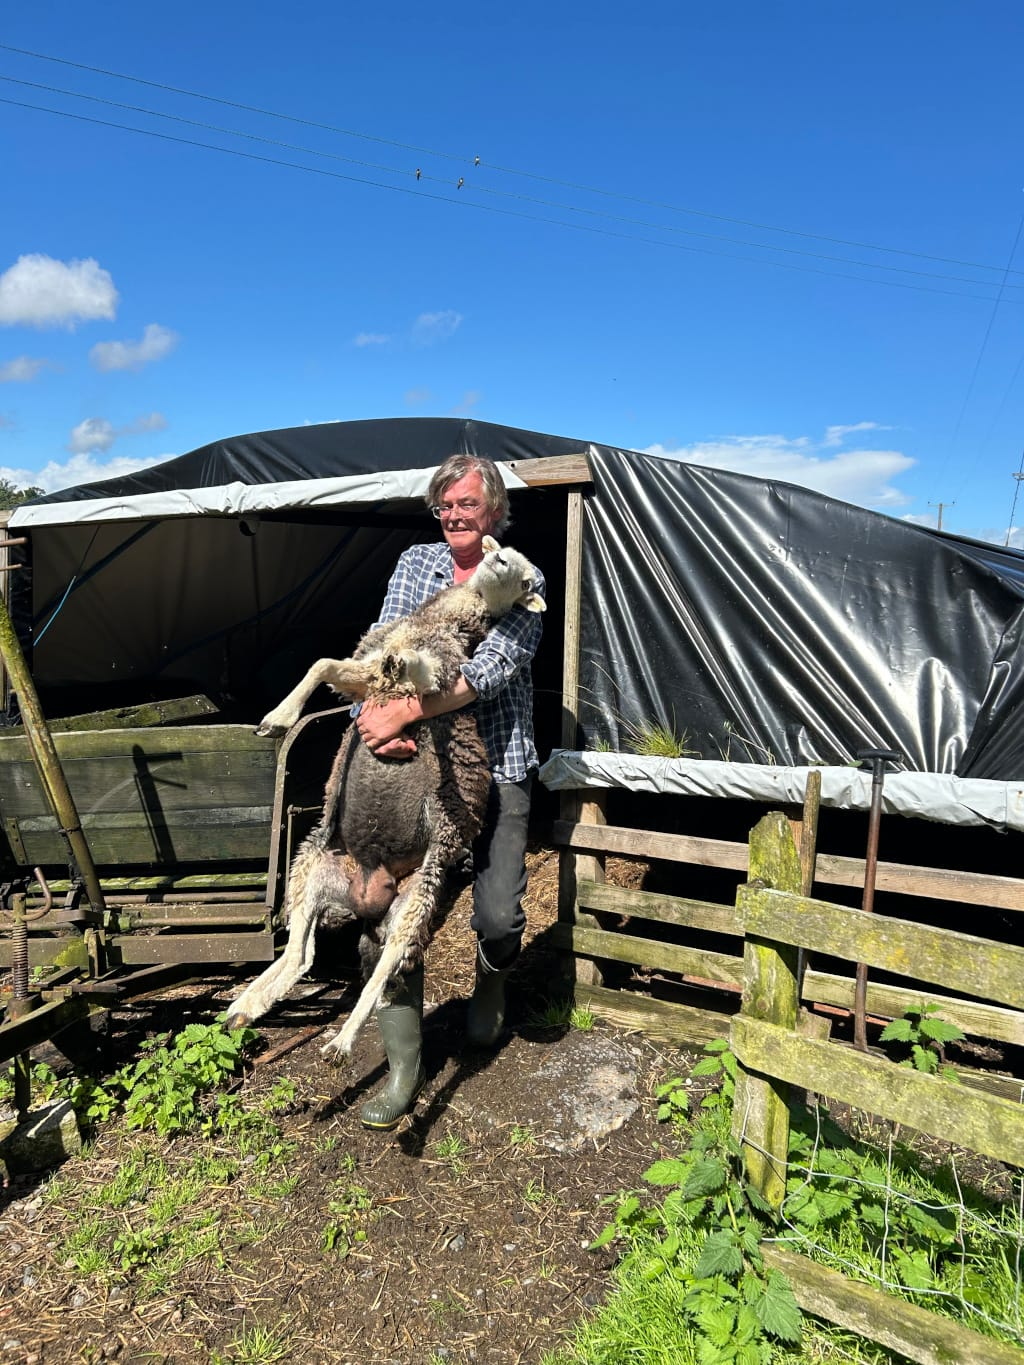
(401, 1027)
(485, 1018)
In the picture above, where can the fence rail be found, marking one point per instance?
(760, 989)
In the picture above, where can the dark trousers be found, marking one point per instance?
(499, 864)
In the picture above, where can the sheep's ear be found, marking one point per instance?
(488, 544)
(533, 602)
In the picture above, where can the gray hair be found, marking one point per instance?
(457, 467)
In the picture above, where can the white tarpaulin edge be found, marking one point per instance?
(240, 499)
(927, 796)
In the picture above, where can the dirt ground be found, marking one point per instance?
(460, 1237)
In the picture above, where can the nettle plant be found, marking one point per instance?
(926, 1036)
(706, 1234)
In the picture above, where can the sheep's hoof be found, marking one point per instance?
(271, 731)
(234, 1021)
(334, 1053)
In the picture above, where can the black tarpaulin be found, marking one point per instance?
(767, 622)
(773, 624)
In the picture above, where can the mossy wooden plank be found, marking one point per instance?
(973, 888)
(919, 1335)
(641, 843)
(984, 1123)
(225, 836)
(960, 962)
(153, 782)
(662, 1019)
(198, 881)
(196, 739)
(891, 1002)
(946, 884)
(761, 1110)
(646, 952)
(130, 717)
(134, 949)
(655, 905)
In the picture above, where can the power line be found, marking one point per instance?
(463, 202)
(546, 203)
(984, 343)
(504, 170)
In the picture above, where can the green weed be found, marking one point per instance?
(451, 1149)
(350, 1208)
(925, 1036)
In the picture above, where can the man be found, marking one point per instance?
(469, 499)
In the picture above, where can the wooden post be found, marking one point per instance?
(574, 806)
(761, 1114)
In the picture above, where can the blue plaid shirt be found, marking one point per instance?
(499, 669)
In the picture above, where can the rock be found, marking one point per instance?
(46, 1138)
(458, 1243)
(582, 1087)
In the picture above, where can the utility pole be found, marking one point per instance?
(940, 506)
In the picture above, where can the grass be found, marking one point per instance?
(563, 1014)
(451, 1149)
(653, 739)
(256, 1345)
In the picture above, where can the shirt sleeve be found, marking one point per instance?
(508, 647)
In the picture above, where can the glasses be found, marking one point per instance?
(465, 507)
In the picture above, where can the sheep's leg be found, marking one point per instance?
(411, 918)
(418, 668)
(317, 883)
(350, 676)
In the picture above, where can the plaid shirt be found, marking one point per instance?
(499, 669)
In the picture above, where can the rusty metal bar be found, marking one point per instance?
(878, 759)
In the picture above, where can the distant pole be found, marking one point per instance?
(940, 506)
(1019, 476)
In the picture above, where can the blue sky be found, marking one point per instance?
(782, 238)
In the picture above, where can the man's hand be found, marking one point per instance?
(380, 726)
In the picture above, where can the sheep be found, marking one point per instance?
(391, 829)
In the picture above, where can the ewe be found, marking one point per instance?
(391, 828)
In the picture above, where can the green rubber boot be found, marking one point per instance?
(485, 1018)
(401, 1027)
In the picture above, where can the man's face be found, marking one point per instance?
(465, 515)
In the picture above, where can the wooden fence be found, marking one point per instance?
(755, 999)
(777, 921)
(588, 901)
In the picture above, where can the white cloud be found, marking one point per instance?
(415, 398)
(469, 401)
(371, 339)
(97, 434)
(432, 327)
(858, 476)
(835, 436)
(156, 342)
(38, 291)
(79, 469)
(22, 369)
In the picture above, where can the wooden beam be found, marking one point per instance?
(960, 962)
(760, 1120)
(637, 843)
(921, 1336)
(994, 1127)
(892, 1002)
(659, 907)
(719, 968)
(554, 469)
(662, 1019)
(972, 888)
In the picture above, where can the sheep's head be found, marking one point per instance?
(505, 579)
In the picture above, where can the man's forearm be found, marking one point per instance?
(378, 724)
